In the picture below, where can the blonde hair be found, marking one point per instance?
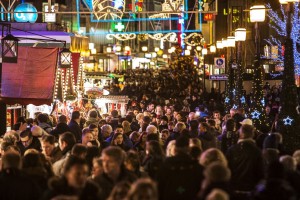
(212, 155)
(171, 149)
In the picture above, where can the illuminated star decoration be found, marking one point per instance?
(288, 121)
(227, 100)
(255, 114)
(243, 100)
(262, 102)
(234, 106)
(233, 91)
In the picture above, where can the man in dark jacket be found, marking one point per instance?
(74, 126)
(114, 170)
(245, 161)
(74, 183)
(61, 127)
(180, 176)
(14, 183)
(27, 141)
(208, 139)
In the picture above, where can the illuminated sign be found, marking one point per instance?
(50, 15)
(208, 17)
(119, 26)
(25, 12)
(220, 77)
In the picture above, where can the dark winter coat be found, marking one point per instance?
(180, 178)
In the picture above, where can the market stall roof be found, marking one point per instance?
(31, 80)
(42, 35)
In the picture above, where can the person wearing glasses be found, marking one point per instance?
(28, 141)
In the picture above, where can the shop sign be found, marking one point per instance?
(25, 12)
(219, 63)
(220, 77)
(209, 17)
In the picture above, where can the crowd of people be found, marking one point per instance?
(154, 152)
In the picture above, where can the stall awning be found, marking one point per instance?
(42, 35)
(32, 79)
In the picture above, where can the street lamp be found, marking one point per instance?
(288, 119)
(257, 14)
(219, 45)
(239, 99)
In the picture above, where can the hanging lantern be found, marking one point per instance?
(9, 49)
(65, 58)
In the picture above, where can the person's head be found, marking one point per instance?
(164, 135)
(75, 115)
(296, 156)
(246, 131)
(120, 190)
(112, 160)
(62, 119)
(114, 113)
(136, 111)
(211, 123)
(164, 120)
(217, 194)
(230, 125)
(119, 129)
(288, 162)
(179, 117)
(79, 150)
(212, 155)
(216, 115)
(151, 107)
(106, 130)
(132, 161)
(126, 126)
(117, 139)
(168, 111)
(48, 144)
(171, 125)
(154, 148)
(194, 125)
(66, 141)
(97, 168)
(76, 172)
(146, 120)
(192, 116)
(179, 127)
(87, 136)
(11, 160)
(134, 137)
(195, 142)
(170, 151)
(143, 189)
(232, 112)
(151, 129)
(182, 144)
(93, 114)
(32, 159)
(37, 131)
(217, 172)
(42, 118)
(26, 138)
(203, 127)
(95, 130)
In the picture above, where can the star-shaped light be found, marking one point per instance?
(233, 91)
(288, 121)
(227, 100)
(234, 106)
(243, 100)
(255, 114)
(262, 102)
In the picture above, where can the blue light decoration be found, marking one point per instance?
(233, 92)
(227, 100)
(279, 25)
(255, 114)
(243, 100)
(288, 121)
(115, 10)
(234, 106)
(25, 12)
(263, 102)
